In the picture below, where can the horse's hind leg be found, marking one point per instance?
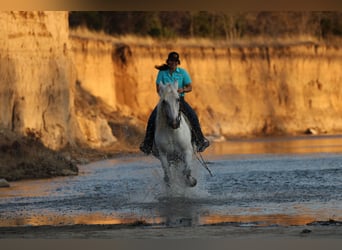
(190, 180)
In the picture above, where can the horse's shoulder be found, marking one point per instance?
(186, 119)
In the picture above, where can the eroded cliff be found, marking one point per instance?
(237, 90)
(78, 90)
(36, 75)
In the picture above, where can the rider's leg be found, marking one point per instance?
(201, 142)
(146, 145)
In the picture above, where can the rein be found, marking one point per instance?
(179, 117)
(203, 163)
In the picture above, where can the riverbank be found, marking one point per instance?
(316, 230)
(25, 157)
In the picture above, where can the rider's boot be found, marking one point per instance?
(147, 144)
(202, 144)
(200, 141)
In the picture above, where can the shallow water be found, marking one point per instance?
(268, 181)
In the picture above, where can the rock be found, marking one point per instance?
(311, 131)
(68, 172)
(306, 231)
(4, 183)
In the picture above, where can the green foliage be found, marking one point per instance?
(90, 19)
(226, 25)
(331, 24)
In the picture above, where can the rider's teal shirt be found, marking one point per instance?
(180, 75)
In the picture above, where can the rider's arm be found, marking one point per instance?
(185, 89)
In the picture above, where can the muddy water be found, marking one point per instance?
(269, 181)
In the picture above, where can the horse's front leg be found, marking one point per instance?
(166, 167)
(188, 158)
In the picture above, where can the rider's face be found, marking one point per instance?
(172, 64)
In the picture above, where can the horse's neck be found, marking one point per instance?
(161, 121)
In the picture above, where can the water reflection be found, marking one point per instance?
(170, 216)
(260, 220)
(58, 220)
(278, 145)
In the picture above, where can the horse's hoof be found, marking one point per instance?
(191, 181)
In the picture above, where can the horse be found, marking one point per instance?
(173, 134)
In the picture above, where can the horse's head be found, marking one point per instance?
(169, 102)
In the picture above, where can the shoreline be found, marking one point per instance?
(26, 157)
(139, 230)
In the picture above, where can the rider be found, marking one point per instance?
(168, 73)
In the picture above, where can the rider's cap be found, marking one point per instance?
(173, 56)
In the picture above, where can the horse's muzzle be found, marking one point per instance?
(175, 124)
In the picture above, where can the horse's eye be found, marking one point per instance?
(178, 100)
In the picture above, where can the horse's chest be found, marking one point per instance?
(170, 141)
(168, 138)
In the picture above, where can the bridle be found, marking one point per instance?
(177, 120)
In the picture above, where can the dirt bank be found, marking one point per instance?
(25, 157)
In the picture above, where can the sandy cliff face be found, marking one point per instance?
(38, 88)
(237, 91)
(36, 75)
(267, 90)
